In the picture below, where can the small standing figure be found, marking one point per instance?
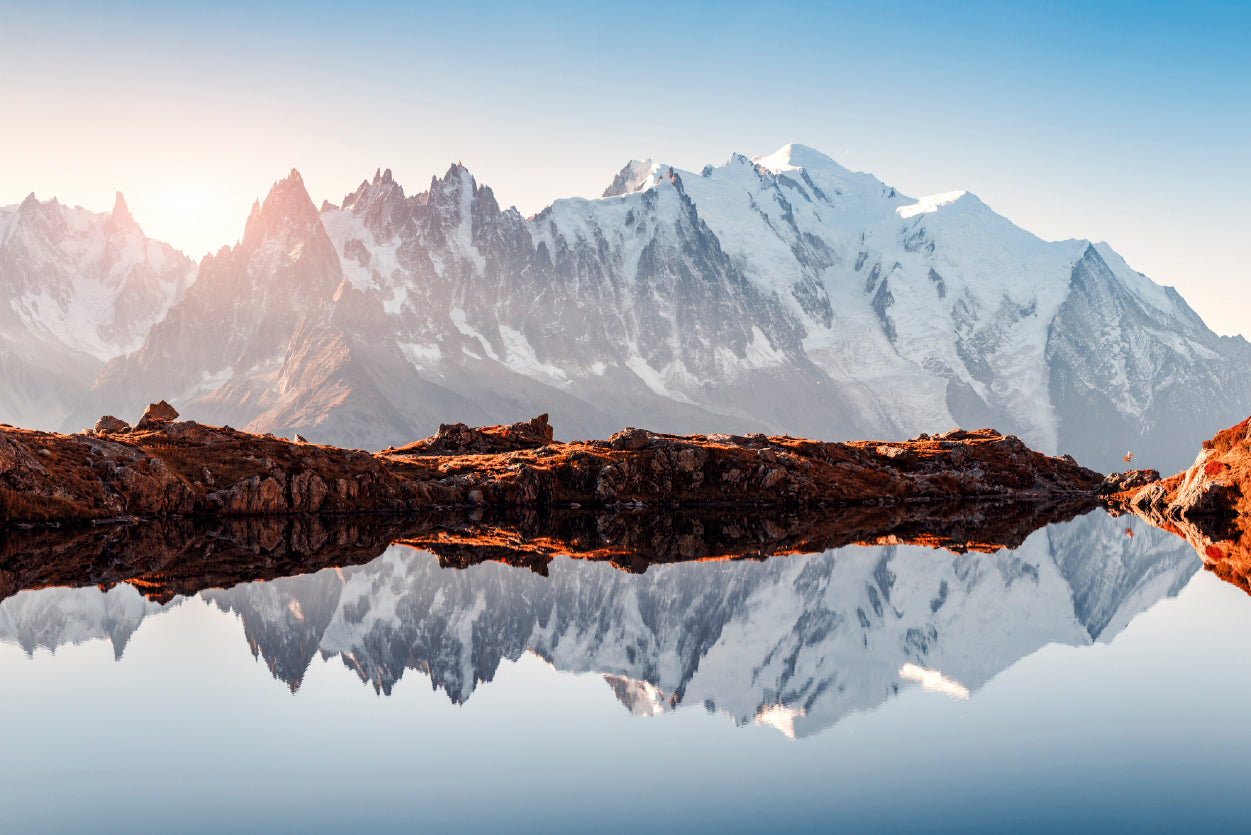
(1129, 457)
(1129, 532)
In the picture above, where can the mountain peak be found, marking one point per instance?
(286, 206)
(635, 176)
(794, 155)
(121, 217)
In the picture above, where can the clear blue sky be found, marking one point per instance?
(1125, 122)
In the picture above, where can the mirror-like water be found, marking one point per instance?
(1087, 679)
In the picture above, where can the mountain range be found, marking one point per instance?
(783, 294)
(81, 288)
(793, 642)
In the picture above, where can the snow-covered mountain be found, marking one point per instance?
(795, 642)
(52, 617)
(79, 288)
(784, 293)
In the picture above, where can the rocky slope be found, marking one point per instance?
(783, 292)
(1209, 504)
(77, 288)
(165, 467)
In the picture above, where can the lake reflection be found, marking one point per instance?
(1084, 681)
(795, 643)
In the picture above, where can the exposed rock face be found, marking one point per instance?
(185, 468)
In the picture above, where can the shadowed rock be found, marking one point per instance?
(170, 557)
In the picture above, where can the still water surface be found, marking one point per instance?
(1086, 681)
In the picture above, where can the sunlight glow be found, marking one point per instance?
(189, 211)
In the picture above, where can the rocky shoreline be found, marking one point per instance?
(221, 506)
(1208, 504)
(166, 468)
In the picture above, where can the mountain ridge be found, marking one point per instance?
(782, 293)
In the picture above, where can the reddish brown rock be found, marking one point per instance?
(157, 413)
(173, 468)
(1208, 504)
(109, 425)
(169, 557)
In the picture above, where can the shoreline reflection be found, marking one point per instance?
(796, 643)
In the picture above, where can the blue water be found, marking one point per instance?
(1089, 681)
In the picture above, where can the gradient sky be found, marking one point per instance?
(1119, 121)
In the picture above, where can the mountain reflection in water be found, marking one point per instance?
(794, 642)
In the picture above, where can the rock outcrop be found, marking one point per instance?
(182, 468)
(1208, 504)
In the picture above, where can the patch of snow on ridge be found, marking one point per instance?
(421, 356)
(520, 357)
(342, 227)
(929, 204)
(647, 374)
(759, 354)
(462, 325)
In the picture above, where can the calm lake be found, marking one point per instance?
(1092, 679)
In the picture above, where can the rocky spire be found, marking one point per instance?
(121, 219)
(287, 207)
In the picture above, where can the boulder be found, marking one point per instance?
(157, 413)
(631, 438)
(109, 425)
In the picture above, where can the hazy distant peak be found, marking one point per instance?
(121, 217)
(286, 206)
